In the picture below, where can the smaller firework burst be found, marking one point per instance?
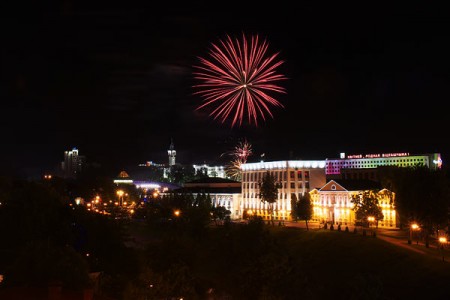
(240, 154)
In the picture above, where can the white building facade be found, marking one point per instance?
(294, 177)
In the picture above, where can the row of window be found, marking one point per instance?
(280, 195)
(279, 175)
(390, 161)
(372, 164)
(254, 185)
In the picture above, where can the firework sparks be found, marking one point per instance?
(240, 154)
(237, 79)
(243, 150)
(234, 169)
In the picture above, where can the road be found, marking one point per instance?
(394, 236)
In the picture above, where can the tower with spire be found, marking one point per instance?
(172, 153)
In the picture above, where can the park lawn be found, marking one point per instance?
(343, 260)
(292, 263)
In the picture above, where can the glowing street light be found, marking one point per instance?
(177, 213)
(415, 227)
(371, 219)
(120, 194)
(442, 241)
(412, 227)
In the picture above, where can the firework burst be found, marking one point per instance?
(237, 80)
(240, 153)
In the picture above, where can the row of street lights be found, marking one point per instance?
(442, 239)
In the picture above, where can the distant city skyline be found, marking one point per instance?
(116, 82)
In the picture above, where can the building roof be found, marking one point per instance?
(213, 180)
(212, 185)
(209, 190)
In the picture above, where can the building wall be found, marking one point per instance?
(336, 207)
(294, 177)
(370, 161)
(212, 171)
(229, 201)
(73, 163)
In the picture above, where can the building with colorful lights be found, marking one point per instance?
(299, 177)
(332, 203)
(330, 182)
(365, 166)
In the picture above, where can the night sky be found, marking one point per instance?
(116, 82)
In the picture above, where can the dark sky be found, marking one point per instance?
(116, 81)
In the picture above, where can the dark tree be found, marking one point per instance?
(179, 174)
(220, 214)
(294, 207)
(365, 204)
(305, 208)
(421, 195)
(268, 191)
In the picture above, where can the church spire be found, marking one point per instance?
(172, 153)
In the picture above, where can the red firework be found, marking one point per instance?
(243, 150)
(237, 78)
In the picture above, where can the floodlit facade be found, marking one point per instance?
(73, 163)
(332, 203)
(172, 154)
(223, 192)
(364, 166)
(295, 177)
(211, 171)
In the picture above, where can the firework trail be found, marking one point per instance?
(236, 79)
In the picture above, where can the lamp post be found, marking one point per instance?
(415, 227)
(442, 241)
(120, 195)
(371, 219)
(412, 226)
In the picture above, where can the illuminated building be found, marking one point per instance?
(223, 192)
(332, 202)
(73, 163)
(365, 166)
(172, 153)
(299, 177)
(294, 177)
(211, 171)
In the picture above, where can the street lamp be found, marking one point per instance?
(412, 227)
(371, 219)
(442, 241)
(415, 227)
(120, 195)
